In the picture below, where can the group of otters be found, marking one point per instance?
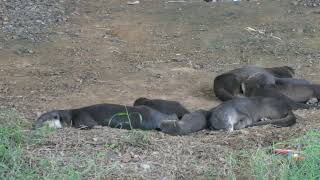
(251, 95)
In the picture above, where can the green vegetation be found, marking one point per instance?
(262, 164)
(126, 115)
(17, 161)
(137, 138)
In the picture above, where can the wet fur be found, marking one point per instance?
(240, 113)
(295, 92)
(163, 106)
(228, 85)
(189, 123)
(141, 117)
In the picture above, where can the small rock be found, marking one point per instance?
(133, 2)
(61, 153)
(155, 153)
(145, 167)
(295, 3)
(126, 158)
(159, 76)
(95, 139)
(24, 50)
(228, 14)
(244, 132)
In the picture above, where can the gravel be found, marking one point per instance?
(33, 19)
(308, 3)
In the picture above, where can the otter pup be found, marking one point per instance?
(228, 85)
(240, 113)
(116, 116)
(163, 106)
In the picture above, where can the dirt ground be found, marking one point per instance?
(108, 51)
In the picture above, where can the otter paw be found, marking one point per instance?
(169, 127)
(265, 119)
(312, 101)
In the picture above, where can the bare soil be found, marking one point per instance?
(111, 52)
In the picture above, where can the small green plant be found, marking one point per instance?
(127, 115)
(210, 173)
(113, 145)
(137, 137)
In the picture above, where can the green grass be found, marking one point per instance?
(261, 164)
(127, 115)
(137, 138)
(16, 162)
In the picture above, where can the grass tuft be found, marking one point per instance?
(262, 164)
(127, 115)
(137, 138)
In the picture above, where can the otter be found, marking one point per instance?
(163, 106)
(227, 85)
(189, 123)
(295, 92)
(244, 112)
(112, 115)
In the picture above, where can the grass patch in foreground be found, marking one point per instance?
(262, 164)
(16, 163)
(14, 137)
(19, 161)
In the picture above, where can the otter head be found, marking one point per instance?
(140, 101)
(54, 119)
(255, 81)
(283, 71)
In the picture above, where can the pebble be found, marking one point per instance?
(307, 3)
(145, 167)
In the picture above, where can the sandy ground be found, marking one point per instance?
(108, 51)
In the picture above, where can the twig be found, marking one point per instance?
(250, 29)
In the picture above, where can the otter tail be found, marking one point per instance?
(289, 120)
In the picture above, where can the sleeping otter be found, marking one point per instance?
(163, 106)
(295, 92)
(116, 116)
(228, 85)
(240, 113)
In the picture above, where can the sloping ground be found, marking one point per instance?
(121, 154)
(108, 51)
